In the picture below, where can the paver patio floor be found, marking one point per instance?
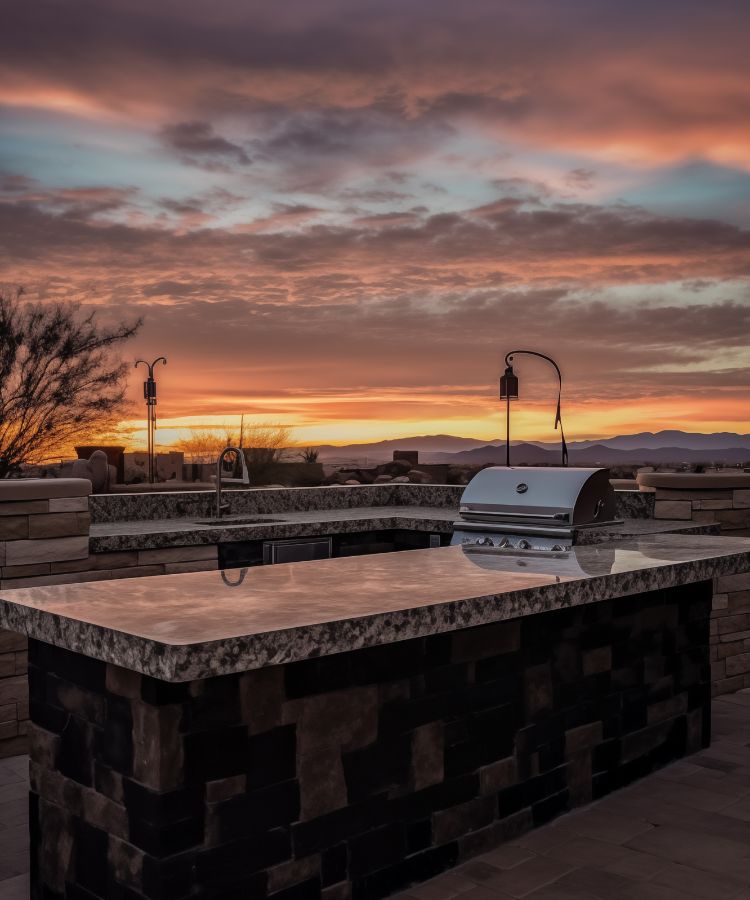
(681, 833)
(14, 828)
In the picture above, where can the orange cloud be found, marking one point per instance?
(326, 214)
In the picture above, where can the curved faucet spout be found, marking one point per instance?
(244, 479)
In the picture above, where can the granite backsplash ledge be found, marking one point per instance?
(262, 501)
(132, 507)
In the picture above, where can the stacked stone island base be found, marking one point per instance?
(355, 774)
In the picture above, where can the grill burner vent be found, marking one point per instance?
(532, 509)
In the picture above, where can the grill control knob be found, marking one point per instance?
(524, 545)
(485, 542)
(557, 548)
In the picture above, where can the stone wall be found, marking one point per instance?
(730, 634)
(14, 694)
(357, 774)
(729, 507)
(43, 522)
(14, 710)
(730, 625)
(168, 465)
(44, 525)
(96, 567)
(125, 564)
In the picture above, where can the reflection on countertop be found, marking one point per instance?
(597, 560)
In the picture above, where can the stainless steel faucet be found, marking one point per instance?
(245, 479)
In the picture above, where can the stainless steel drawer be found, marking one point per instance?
(296, 550)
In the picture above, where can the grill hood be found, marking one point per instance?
(542, 502)
(539, 495)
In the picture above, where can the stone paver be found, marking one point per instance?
(695, 883)
(15, 888)
(683, 833)
(14, 830)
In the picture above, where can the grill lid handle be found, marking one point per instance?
(515, 514)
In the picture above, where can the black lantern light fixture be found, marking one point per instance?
(509, 391)
(149, 395)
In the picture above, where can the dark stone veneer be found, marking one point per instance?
(356, 774)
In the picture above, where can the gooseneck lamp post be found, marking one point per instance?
(509, 391)
(149, 395)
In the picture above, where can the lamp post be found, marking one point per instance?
(149, 395)
(509, 391)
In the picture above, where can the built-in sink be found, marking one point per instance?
(227, 521)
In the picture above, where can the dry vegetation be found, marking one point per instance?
(263, 444)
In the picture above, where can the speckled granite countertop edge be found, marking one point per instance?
(160, 533)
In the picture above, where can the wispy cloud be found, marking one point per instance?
(198, 144)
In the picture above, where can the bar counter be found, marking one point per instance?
(347, 727)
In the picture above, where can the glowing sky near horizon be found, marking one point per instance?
(340, 216)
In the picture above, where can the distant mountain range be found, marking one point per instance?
(645, 447)
(596, 454)
(660, 440)
(428, 445)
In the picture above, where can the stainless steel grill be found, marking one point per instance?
(532, 509)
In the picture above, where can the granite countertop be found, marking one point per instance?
(158, 533)
(192, 626)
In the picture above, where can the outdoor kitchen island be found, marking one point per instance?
(346, 727)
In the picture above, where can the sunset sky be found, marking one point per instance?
(340, 214)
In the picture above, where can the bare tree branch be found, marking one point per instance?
(60, 377)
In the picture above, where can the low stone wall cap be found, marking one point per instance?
(15, 489)
(695, 481)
